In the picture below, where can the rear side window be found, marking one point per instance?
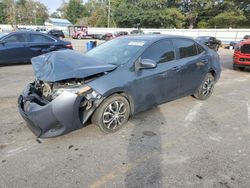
(200, 49)
(40, 38)
(161, 52)
(186, 48)
(16, 38)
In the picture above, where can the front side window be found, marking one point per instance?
(186, 48)
(40, 38)
(160, 52)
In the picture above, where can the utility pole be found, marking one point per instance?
(14, 13)
(109, 14)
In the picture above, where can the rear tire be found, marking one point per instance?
(205, 90)
(112, 114)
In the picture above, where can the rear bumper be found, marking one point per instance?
(58, 117)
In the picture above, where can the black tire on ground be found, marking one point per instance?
(205, 90)
(112, 114)
(242, 68)
(234, 67)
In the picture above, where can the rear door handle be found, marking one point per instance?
(177, 68)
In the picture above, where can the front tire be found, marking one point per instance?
(241, 68)
(112, 114)
(205, 90)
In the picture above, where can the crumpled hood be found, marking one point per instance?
(67, 64)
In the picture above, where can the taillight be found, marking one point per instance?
(69, 46)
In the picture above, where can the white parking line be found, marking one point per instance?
(192, 114)
(18, 150)
(248, 111)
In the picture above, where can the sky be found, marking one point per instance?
(51, 4)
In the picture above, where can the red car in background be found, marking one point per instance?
(241, 57)
(79, 32)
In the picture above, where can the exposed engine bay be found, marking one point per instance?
(48, 91)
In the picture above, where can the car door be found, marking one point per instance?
(39, 44)
(193, 60)
(13, 49)
(157, 85)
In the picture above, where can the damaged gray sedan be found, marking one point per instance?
(114, 81)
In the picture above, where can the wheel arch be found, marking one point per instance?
(213, 73)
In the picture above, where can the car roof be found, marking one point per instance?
(155, 37)
(30, 32)
(203, 36)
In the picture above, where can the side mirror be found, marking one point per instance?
(2, 42)
(145, 64)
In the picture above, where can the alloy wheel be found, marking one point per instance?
(114, 115)
(208, 87)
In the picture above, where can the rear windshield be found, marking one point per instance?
(245, 49)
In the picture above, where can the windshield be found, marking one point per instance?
(117, 51)
(1, 35)
(245, 49)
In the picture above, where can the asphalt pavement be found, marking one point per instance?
(184, 143)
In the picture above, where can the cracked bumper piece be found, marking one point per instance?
(58, 117)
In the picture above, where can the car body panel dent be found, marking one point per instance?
(66, 64)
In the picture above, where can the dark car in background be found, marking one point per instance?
(246, 37)
(121, 33)
(211, 42)
(119, 78)
(108, 36)
(21, 46)
(57, 33)
(98, 36)
(241, 57)
(137, 32)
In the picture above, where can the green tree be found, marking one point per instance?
(228, 19)
(24, 12)
(191, 10)
(172, 18)
(31, 12)
(75, 10)
(2, 13)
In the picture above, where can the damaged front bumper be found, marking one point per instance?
(60, 116)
